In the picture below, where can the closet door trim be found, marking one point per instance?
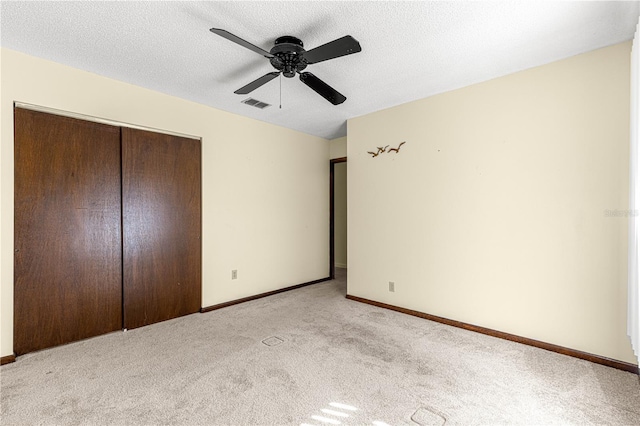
(84, 117)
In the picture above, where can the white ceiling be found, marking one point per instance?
(410, 50)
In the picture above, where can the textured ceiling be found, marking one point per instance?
(410, 50)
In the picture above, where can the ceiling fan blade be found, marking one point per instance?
(257, 83)
(241, 42)
(322, 88)
(334, 49)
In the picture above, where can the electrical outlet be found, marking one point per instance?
(392, 286)
(234, 274)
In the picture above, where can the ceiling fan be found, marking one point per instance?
(289, 57)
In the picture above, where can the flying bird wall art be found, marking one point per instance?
(396, 150)
(382, 150)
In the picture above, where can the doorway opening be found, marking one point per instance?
(337, 215)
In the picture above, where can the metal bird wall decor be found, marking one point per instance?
(396, 150)
(382, 150)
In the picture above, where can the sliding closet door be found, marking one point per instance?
(161, 226)
(67, 260)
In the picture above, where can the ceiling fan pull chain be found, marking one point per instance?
(280, 90)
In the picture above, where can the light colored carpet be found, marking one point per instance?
(320, 350)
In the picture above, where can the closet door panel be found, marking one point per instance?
(161, 226)
(67, 260)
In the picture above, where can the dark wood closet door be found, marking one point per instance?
(67, 260)
(161, 226)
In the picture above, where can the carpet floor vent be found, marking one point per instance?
(272, 341)
(256, 103)
(427, 416)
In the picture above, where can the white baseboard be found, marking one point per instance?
(341, 265)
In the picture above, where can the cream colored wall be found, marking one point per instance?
(340, 214)
(493, 212)
(338, 147)
(264, 188)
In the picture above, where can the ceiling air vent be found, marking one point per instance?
(256, 103)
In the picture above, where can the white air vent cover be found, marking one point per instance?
(256, 103)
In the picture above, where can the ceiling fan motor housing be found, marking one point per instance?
(288, 55)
